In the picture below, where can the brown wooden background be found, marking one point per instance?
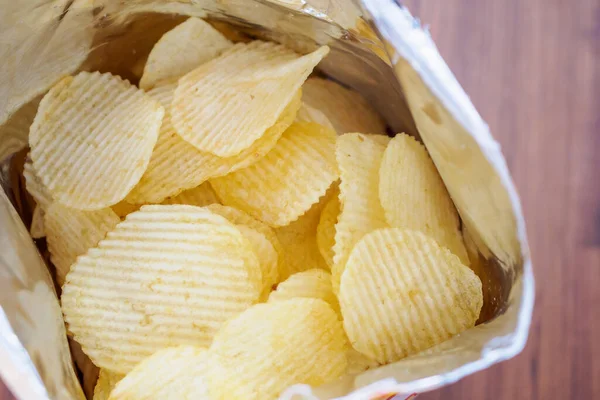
(532, 68)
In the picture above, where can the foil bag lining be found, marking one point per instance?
(377, 48)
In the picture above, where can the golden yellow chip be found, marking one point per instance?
(171, 373)
(347, 110)
(358, 362)
(92, 138)
(359, 157)
(181, 50)
(414, 196)
(70, 233)
(35, 186)
(168, 275)
(307, 113)
(105, 384)
(402, 293)
(176, 165)
(200, 196)
(14, 133)
(285, 183)
(312, 284)
(226, 104)
(326, 228)
(37, 230)
(271, 346)
(239, 217)
(123, 208)
(266, 255)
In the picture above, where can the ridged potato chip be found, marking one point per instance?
(347, 110)
(307, 113)
(326, 228)
(181, 50)
(37, 229)
(70, 233)
(414, 196)
(312, 284)
(359, 157)
(271, 346)
(176, 165)
(402, 293)
(35, 187)
(226, 104)
(299, 242)
(168, 275)
(285, 183)
(200, 196)
(105, 384)
(239, 217)
(266, 255)
(88, 149)
(171, 373)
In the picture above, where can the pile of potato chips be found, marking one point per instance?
(235, 226)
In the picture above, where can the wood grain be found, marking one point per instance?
(532, 68)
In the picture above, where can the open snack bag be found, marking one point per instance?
(227, 199)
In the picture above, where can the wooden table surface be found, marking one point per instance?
(532, 68)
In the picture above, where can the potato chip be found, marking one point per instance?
(402, 293)
(70, 233)
(182, 49)
(168, 275)
(359, 157)
(123, 208)
(347, 110)
(238, 218)
(271, 346)
(176, 165)
(299, 242)
(226, 104)
(171, 373)
(200, 196)
(414, 196)
(326, 228)
(14, 133)
(285, 183)
(307, 113)
(312, 284)
(92, 138)
(37, 230)
(105, 384)
(35, 187)
(266, 255)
